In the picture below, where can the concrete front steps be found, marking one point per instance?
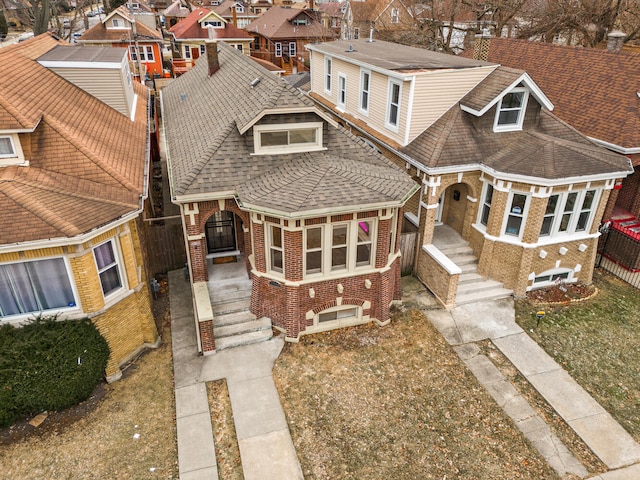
(472, 287)
(233, 324)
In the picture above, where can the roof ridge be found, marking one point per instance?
(34, 206)
(58, 127)
(15, 112)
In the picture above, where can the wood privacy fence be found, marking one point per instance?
(165, 246)
(408, 249)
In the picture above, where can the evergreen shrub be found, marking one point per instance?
(48, 365)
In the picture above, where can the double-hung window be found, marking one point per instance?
(278, 49)
(364, 244)
(510, 111)
(187, 52)
(365, 86)
(108, 267)
(485, 208)
(395, 15)
(339, 246)
(342, 91)
(568, 213)
(276, 250)
(35, 286)
(327, 74)
(313, 250)
(145, 52)
(514, 225)
(203, 49)
(393, 106)
(292, 49)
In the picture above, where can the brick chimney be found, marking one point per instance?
(212, 57)
(615, 40)
(311, 5)
(235, 16)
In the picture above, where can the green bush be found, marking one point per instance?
(48, 365)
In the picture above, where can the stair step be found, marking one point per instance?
(470, 277)
(233, 286)
(233, 318)
(456, 249)
(241, 328)
(486, 285)
(468, 268)
(243, 339)
(231, 306)
(460, 260)
(492, 294)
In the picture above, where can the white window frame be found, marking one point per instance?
(187, 52)
(213, 23)
(363, 106)
(292, 49)
(575, 213)
(554, 275)
(393, 126)
(271, 248)
(328, 74)
(115, 23)
(523, 215)
(395, 15)
(19, 316)
(145, 51)
(307, 250)
(239, 8)
(117, 263)
(341, 320)
(290, 148)
(521, 111)
(488, 187)
(14, 152)
(341, 103)
(278, 49)
(203, 49)
(352, 243)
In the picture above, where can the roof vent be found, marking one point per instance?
(350, 48)
(254, 82)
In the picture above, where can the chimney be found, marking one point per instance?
(615, 40)
(212, 57)
(235, 16)
(311, 5)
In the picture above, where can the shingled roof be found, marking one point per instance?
(277, 23)
(208, 155)
(86, 160)
(550, 150)
(593, 90)
(100, 33)
(191, 28)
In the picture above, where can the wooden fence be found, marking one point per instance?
(165, 246)
(408, 249)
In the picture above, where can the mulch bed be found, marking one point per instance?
(562, 293)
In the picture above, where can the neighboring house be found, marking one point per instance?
(524, 189)
(331, 15)
(122, 28)
(177, 11)
(362, 19)
(235, 12)
(602, 103)
(281, 33)
(267, 177)
(74, 165)
(201, 26)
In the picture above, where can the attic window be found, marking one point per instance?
(10, 151)
(6, 148)
(213, 23)
(239, 8)
(300, 21)
(287, 138)
(510, 111)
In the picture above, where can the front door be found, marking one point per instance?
(220, 232)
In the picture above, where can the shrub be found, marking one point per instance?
(48, 365)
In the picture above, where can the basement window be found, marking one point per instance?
(288, 138)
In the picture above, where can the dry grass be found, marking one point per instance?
(598, 343)
(396, 402)
(224, 431)
(100, 443)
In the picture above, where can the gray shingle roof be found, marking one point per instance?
(204, 116)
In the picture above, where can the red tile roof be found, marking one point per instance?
(593, 90)
(86, 160)
(190, 27)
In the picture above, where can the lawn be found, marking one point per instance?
(126, 433)
(395, 402)
(598, 342)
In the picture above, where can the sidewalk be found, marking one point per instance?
(266, 448)
(495, 320)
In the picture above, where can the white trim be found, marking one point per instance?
(616, 148)
(444, 261)
(287, 111)
(511, 127)
(361, 91)
(327, 74)
(259, 149)
(390, 126)
(342, 91)
(407, 127)
(116, 292)
(413, 218)
(72, 64)
(523, 215)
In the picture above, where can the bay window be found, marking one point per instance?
(568, 212)
(276, 250)
(486, 204)
(516, 215)
(35, 286)
(339, 247)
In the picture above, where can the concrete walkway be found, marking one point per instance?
(266, 448)
(495, 320)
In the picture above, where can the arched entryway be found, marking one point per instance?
(220, 232)
(452, 208)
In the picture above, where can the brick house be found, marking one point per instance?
(73, 185)
(264, 176)
(280, 34)
(522, 188)
(125, 28)
(602, 103)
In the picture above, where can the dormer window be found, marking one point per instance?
(300, 21)
(10, 151)
(510, 111)
(7, 150)
(116, 23)
(287, 138)
(239, 8)
(213, 23)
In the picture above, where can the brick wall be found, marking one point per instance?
(441, 283)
